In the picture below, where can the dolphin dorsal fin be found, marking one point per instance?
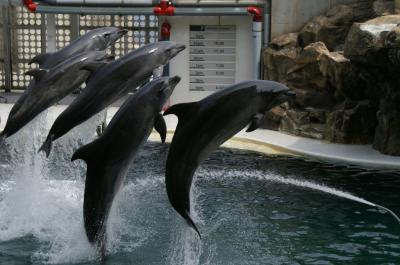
(90, 152)
(160, 126)
(181, 109)
(40, 59)
(37, 73)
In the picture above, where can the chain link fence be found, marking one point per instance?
(27, 37)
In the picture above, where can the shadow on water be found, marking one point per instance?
(250, 208)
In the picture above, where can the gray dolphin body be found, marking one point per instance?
(110, 83)
(108, 158)
(50, 86)
(94, 40)
(205, 125)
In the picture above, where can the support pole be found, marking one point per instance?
(51, 33)
(257, 40)
(165, 34)
(7, 47)
(267, 22)
(74, 26)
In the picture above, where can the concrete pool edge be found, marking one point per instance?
(273, 142)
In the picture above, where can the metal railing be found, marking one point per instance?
(23, 35)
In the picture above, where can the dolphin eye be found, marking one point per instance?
(107, 35)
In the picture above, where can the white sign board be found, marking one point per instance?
(219, 52)
(212, 57)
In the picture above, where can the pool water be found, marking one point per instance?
(245, 212)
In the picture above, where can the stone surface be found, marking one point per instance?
(365, 42)
(284, 41)
(384, 7)
(387, 134)
(343, 76)
(331, 29)
(277, 63)
(354, 123)
(374, 48)
(303, 122)
(305, 72)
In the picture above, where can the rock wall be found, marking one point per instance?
(344, 67)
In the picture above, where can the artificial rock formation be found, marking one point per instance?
(344, 67)
(374, 47)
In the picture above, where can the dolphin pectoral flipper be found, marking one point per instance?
(255, 122)
(46, 146)
(36, 73)
(160, 126)
(40, 59)
(181, 109)
(89, 152)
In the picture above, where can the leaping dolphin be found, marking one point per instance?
(110, 83)
(109, 157)
(50, 86)
(205, 125)
(94, 40)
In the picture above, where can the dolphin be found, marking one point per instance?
(205, 125)
(51, 85)
(94, 40)
(111, 83)
(109, 157)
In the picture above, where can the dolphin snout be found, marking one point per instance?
(122, 32)
(173, 81)
(290, 94)
(180, 47)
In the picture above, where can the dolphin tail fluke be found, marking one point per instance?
(46, 146)
(190, 222)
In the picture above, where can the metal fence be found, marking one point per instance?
(23, 35)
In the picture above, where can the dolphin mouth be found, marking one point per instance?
(290, 94)
(173, 81)
(122, 32)
(180, 47)
(177, 49)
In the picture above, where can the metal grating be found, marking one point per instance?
(63, 30)
(28, 31)
(27, 35)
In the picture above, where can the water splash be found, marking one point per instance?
(42, 202)
(308, 185)
(186, 245)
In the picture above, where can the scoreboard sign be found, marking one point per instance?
(212, 57)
